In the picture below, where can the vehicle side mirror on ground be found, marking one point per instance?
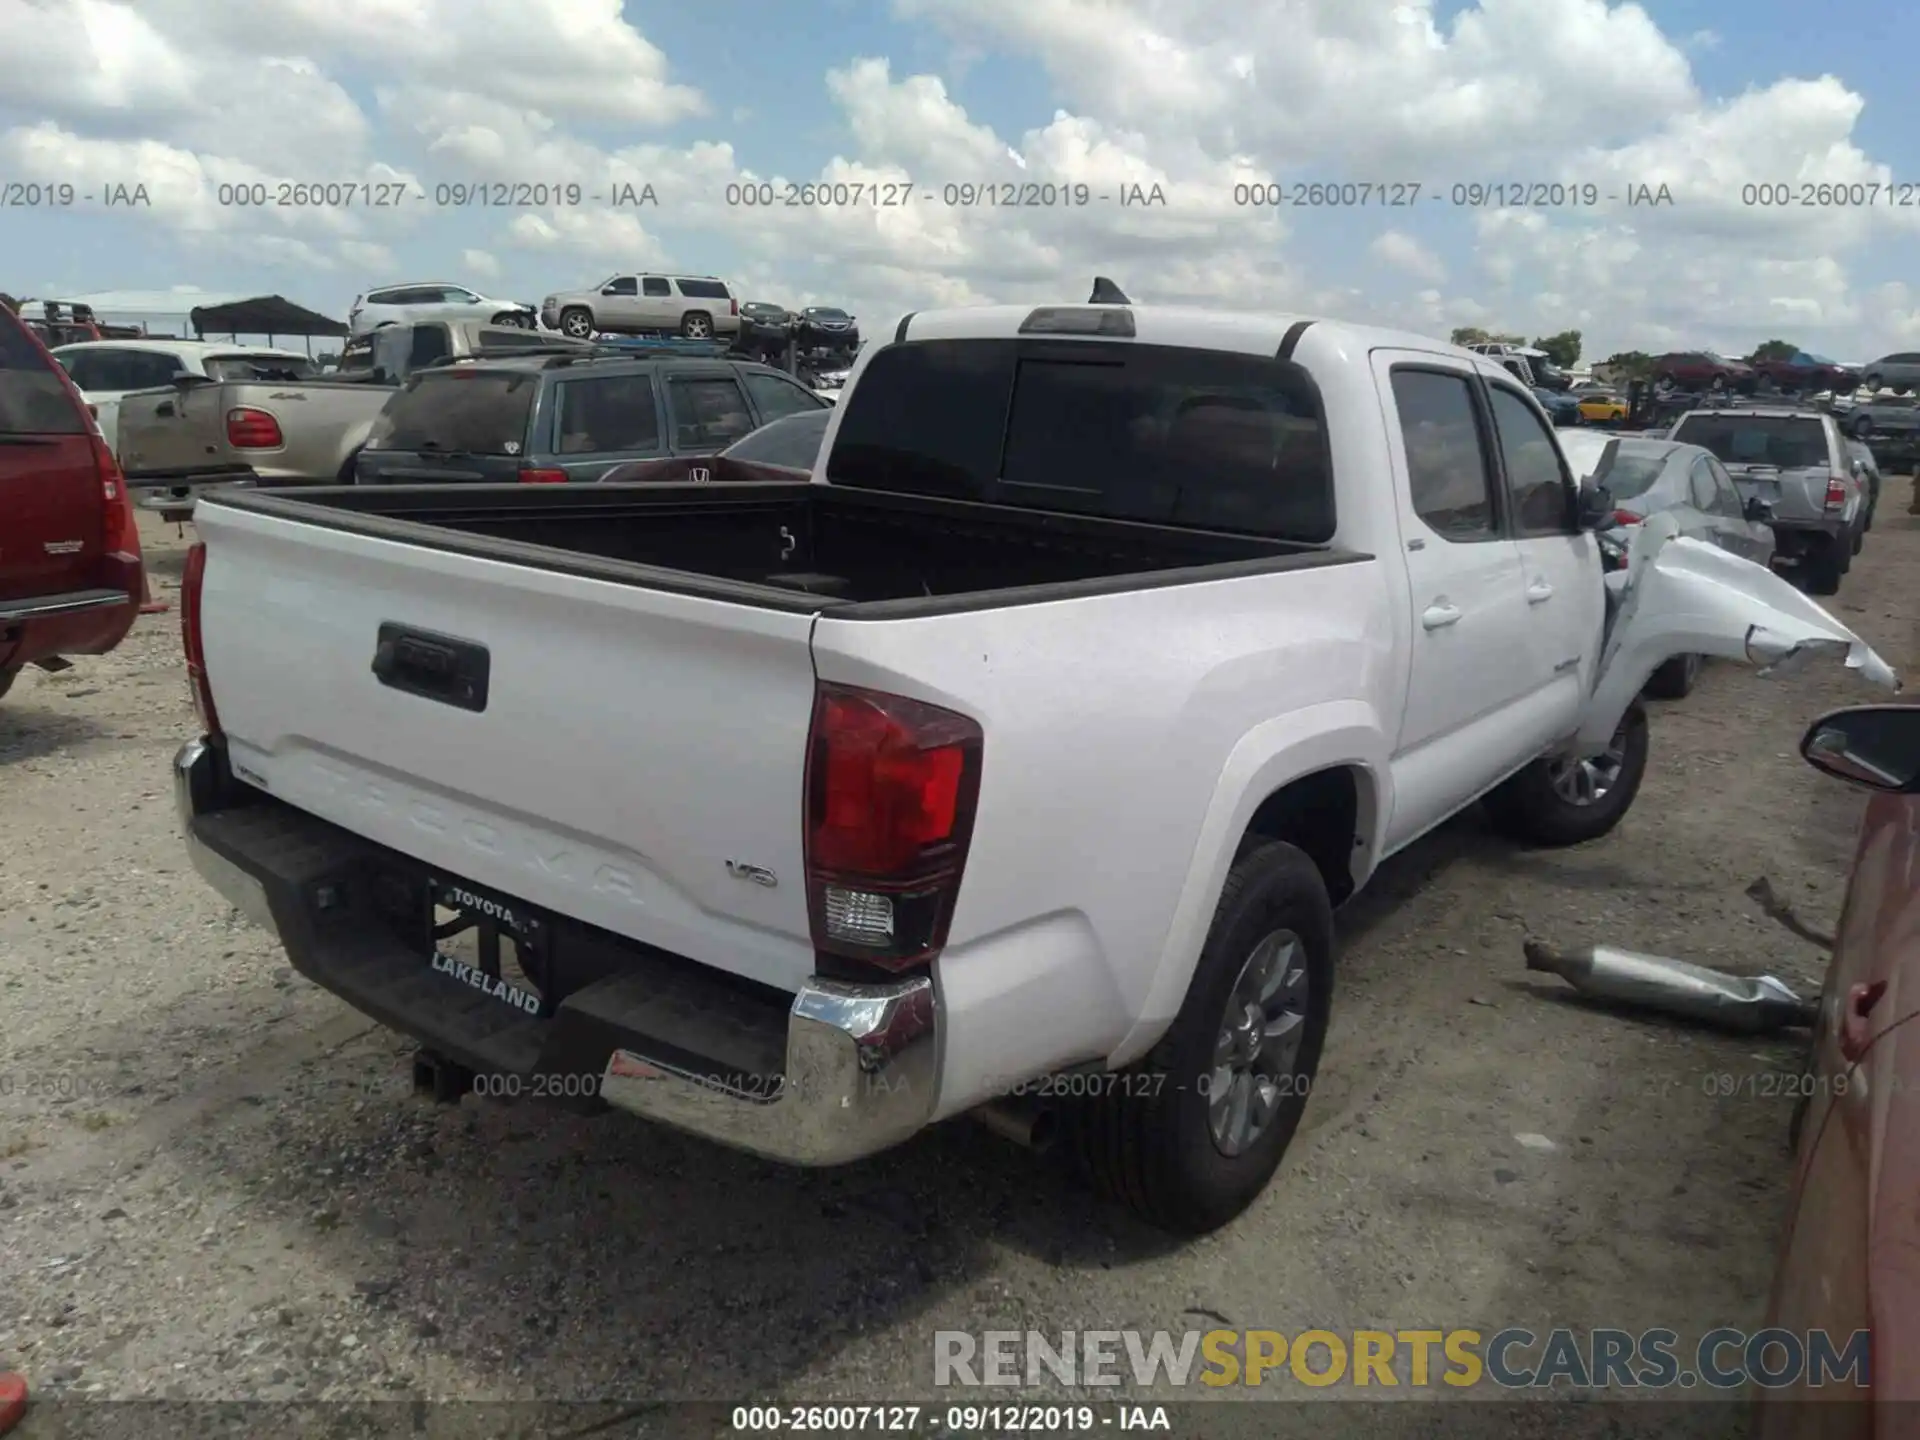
(1759, 510)
(1877, 746)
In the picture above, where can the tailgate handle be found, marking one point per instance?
(434, 667)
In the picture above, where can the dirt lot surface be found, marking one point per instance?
(216, 1183)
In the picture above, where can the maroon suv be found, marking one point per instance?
(1704, 370)
(71, 577)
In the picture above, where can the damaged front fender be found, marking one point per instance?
(1680, 596)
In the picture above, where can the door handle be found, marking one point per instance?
(1855, 1037)
(1538, 591)
(1439, 615)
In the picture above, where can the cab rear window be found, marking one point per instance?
(33, 399)
(1162, 434)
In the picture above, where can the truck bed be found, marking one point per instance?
(792, 546)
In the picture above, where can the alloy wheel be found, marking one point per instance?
(1258, 1043)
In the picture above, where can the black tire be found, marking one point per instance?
(696, 325)
(1675, 679)
(1825, 566)
(1530, 808)
(576, 322)
(1148, 1140)
(515, 319)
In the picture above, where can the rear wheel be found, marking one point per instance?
(1675, 679)
(515, 319)
(1189, 1138)
(1825, 566)
(576, 322)
(696, 325)
(1558, 802)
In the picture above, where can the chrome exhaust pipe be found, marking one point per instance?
(1748, 1005)
(1031, 1126)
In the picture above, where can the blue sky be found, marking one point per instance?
(1569, 91)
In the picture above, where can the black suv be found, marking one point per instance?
(548, 419)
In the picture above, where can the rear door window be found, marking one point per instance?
(1447, 468)
(655, 285)
(776, 396)
(613, 412)
(33, 398)
(1700, 487)
(703, 289)
(1129, 432)
(462, 411)
(708, 412)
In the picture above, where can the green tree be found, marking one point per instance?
(1562, 349)
(1474, 335)
(1773, 350)
(1632, 364)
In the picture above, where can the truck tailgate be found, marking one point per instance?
(632, 742)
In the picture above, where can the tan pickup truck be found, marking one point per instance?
(198, 433)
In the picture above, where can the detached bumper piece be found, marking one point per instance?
(829, 1075)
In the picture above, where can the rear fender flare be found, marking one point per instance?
(1335, 735)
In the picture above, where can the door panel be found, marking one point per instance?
(1470, 616)
(659, 308)
(1566, 600)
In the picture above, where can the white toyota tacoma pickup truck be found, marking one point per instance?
(1035, 739)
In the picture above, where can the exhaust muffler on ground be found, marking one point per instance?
(1748, 1005)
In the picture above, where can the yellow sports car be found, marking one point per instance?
(1602, 409)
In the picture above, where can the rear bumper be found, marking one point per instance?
(851, 1069)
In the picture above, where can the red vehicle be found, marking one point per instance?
(71, 577)
(1851, 1257)
(1704, 370)
(1802, 371)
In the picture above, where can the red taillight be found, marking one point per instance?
(1836, 491)
(121, 564)
(250, 429)
(733, 306)
(192, 580)
(1626, 517)
(543, 477)
(891, 788)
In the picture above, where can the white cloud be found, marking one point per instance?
(1403, 252)
(193, 95)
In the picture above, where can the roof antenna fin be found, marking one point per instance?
(1105, 292)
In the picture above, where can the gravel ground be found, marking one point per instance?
(216, 1184)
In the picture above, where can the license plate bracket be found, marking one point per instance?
(502, 948)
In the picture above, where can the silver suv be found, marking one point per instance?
(700, 307)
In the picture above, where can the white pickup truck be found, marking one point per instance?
(1026, 749)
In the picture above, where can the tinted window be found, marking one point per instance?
(794, 441)
(1632, 475)
(430, 343)
(104, 371)
(653, 285)
(479, 411)
(1144, 432)
(1791, 442)
(80, 366)
(614, 412)
(1726, 499)
(777, 396)
(33, 398)
(703, 290)
(708, 414)
(259, 367)
(1446, 464)
(821, 312)
(625, 285)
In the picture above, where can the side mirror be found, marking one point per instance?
(1758, 510)
(1595, 509)
(609, 290)
(1876, 746)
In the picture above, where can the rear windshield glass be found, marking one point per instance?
(477, 412)
(1632, 475)
(33, 400)
(1128, 432)
(261, 367)
(702, 289)
(1791, 442)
